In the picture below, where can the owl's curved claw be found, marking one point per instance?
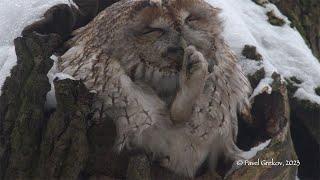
(195, 66)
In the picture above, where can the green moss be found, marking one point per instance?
(274, 20)
(65, 141)
(25, 119)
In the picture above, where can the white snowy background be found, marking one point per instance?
(283, 49)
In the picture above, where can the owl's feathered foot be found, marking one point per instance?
(195, 67)
(192, 80)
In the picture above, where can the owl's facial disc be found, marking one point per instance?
(158, 32)
(161, 47)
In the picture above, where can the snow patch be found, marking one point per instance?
(263, 86)
(253, 151)
(249, 67)
(54, 74)
(283, 49)
(51, 101)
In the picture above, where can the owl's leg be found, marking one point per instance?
(192, 80)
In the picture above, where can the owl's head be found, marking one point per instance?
(160, 31)
(149, 36)
(153, 31)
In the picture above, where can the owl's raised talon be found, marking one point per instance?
(195, 64)
(193, 77)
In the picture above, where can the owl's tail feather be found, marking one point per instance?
(232, 152)
(232, 155)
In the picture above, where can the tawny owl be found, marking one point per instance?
(165, 76)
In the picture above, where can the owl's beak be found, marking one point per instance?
(174, 53)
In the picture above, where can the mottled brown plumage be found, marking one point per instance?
(165, 76)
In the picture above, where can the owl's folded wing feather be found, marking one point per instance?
(132, 107)
(225, 95)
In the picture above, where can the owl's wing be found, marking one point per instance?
(132, 107)
(212, 113)
(225, 94)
